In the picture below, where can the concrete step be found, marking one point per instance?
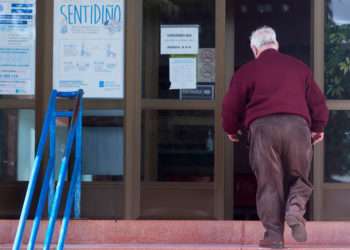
(178, 232)
(180, 247)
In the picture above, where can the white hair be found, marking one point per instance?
(263, 36)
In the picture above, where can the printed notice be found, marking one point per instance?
(17, 47)
(206, 65)
(89, 47)
(179, 39)
(183, 72)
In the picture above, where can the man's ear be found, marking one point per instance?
(255, 51)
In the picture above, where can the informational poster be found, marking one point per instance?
(89, 47)
(206, 65)
(179, 39)
(17, 47)
(183, 72)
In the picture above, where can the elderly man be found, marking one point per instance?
(276, 98)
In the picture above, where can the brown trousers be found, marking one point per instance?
(280, 156)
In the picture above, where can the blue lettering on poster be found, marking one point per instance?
(21, 5)
(21, 11)
(90, 14)
(13, 22)
(16, 17)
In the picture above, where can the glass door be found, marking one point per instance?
(178, 109)
(334, 57)
(292, 22)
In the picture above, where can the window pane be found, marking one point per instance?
(17, 144)
(156, 67)
(337, 49)
(103, 145)
(103, 148)
(337, 143)
(178, 145)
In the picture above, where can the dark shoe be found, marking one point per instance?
(271, 243)
(298, 228)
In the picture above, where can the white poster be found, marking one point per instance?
(89, 47)
(183, 72)
(17, 47)
(179, 39)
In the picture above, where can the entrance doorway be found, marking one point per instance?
(292, 22)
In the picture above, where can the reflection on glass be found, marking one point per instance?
(337, 49)
(337, 151)
(103, 145)
(17, 144)
(156, 70)
(290, 19)
(177, 145)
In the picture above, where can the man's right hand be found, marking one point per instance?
(233, 138)
(316, 137)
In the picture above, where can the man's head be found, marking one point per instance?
(262, 39)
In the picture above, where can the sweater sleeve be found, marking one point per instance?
(233, 106)
(316, 104)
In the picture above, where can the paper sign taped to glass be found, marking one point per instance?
(183, 72)
(179, 39)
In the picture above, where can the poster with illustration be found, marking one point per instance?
(89, 47)
(17, 47)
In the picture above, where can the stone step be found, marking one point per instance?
(181, 247)
(177, 231)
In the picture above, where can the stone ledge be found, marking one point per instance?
(178, 231)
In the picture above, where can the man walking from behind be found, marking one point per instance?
(276, 98)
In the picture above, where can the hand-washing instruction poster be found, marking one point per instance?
(17, 47)
(89, 47)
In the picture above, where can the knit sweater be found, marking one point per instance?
(274, 83)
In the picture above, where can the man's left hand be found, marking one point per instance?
(233, 138)
(316, 137)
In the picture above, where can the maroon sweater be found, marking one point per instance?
(274, 83)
